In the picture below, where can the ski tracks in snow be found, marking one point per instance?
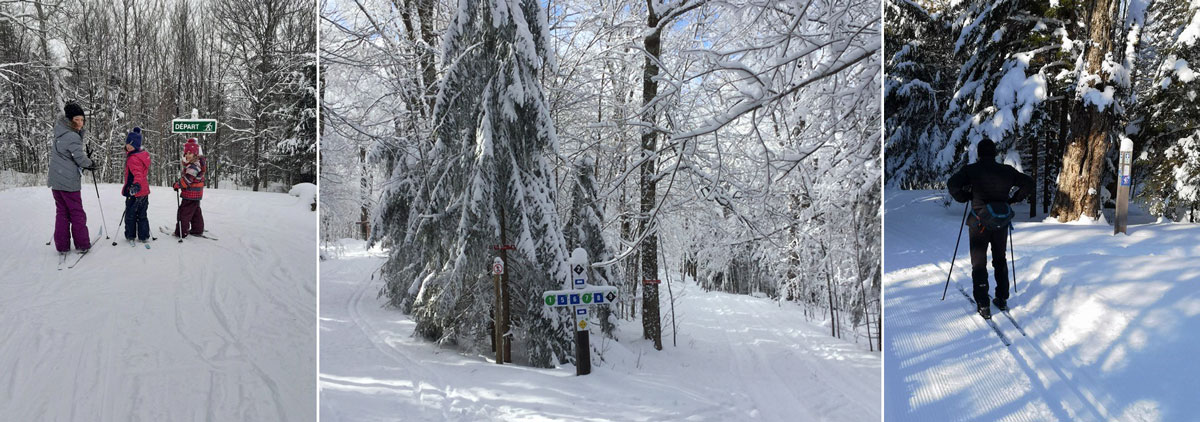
(193, 331)
(739, 358)
(944, 363)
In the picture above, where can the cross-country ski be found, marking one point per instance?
(988, 320)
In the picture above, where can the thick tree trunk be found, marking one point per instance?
(425, 57)
(1083, 161)
(651, 325)
(505, 299)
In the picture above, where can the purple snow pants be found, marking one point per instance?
(70, 221)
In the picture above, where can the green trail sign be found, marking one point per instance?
(194, 126)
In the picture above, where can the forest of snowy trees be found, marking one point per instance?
(141, 63)
(735, 141)
(1056, 85)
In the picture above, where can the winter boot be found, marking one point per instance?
(1001, 304)
(985, 312)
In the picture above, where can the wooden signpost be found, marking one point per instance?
(500, 319)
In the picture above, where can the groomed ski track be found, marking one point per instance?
(739, 358)
(216, 331)
(1109, 322)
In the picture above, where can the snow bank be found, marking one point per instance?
(12, 179)
(307, 192)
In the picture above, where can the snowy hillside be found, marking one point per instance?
(204, 330)
(1111, 322)
(739, 358)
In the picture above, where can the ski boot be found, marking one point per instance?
(985, 312)
(1001, 304)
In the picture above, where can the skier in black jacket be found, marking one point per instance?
(984, 182)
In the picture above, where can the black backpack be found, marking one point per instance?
(994, 216)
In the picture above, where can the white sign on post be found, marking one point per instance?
(1124, 183)
(497, 266)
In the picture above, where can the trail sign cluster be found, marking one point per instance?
(591, 295)
(579, 298)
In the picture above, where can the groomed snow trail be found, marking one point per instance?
(198, 331)
(1110, 321)
(739, 358)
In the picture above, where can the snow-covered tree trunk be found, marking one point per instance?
(651, 323)
(1091, 123)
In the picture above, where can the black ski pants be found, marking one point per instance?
(980, 241)
(135, 217)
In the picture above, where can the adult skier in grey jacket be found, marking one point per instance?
(67, 160)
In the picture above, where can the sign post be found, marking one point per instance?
(580, 297)
(503, 343)
(1124, 181)
(498, 316)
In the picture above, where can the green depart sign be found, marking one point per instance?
(194, 126)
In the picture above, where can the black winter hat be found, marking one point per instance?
(986, 148)
(73, 110)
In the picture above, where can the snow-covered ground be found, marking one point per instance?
(739, 358)
(1112, 321)
(204, 330)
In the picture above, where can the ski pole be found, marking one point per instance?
(103, 221)
(95, 184)
(178, 194)
(122, 222)
(956, 242)
(1013, 257)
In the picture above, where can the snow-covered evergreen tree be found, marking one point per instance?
(1166, 127)
(920, 76)
(488, 182)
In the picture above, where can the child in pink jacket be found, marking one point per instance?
(136, 188)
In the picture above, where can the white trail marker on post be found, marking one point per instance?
(579, 298)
